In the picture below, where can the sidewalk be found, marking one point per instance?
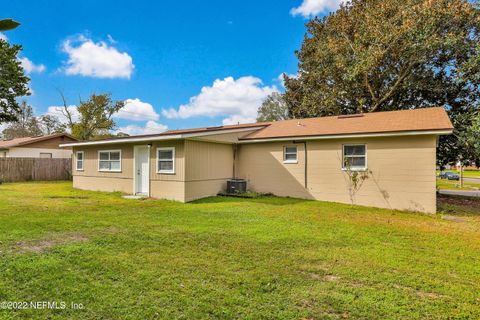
(460, 193)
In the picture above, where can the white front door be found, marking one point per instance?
(142, 171)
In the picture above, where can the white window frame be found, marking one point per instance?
(110, 151)
(46, 153)
(356, 156)
(173, 160)
(285, 154)
(83, 160)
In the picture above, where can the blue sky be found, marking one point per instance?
(177, 64)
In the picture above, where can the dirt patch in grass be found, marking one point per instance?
(39, 246)
(430, 295)
(471, 202)
(67, 197)
(454, 218)
(331, 278)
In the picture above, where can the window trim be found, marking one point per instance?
(173, 160)
(46, 153)
(105, 170)
(285, 153)
(365, 168)
(83, 160)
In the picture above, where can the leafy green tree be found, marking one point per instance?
(461, 145)
(273, 108)
(51, 124)
(469, 141)
(26, 124)
(13, 82)
(8, 24)
(474, 136)
(95, 116)
(378, 55)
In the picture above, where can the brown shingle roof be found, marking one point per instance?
(5, 144)
(428, 119)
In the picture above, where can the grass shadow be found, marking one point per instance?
(270, 200)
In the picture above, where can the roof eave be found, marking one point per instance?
(160, 137)
(353, 135)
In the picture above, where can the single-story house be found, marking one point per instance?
(47, 146)
(305, 158)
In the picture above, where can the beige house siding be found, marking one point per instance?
(91, 161)
(170, 190)
(207, 167)
(261, 164)
(91, 179)
(168, 186)
(201, 170)
(108, 184)
(402, 172)
(179, 174)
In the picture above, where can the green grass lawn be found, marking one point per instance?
(455, 185)
(263, 258)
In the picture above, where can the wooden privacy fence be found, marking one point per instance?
(34, 169)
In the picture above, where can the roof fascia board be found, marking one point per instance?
(346, 136)
(160, 138)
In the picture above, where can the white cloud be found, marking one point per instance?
(137, 110)
(99, 60)
(151, 127)
(30, 67)
(236, 119)
(110, 39)
(310, 8)
(3, 36)
(238, 100)
(57, 111)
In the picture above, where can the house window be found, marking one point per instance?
(45, 155)
(290, 154)
(110, 160)
(79, 158)
(166, 160)
(355, 157)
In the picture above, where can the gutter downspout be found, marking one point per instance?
(235, 150)
(306, 162)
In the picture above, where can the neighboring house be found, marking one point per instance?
(37, 147)
(303, 158)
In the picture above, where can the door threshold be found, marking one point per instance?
(135, 196)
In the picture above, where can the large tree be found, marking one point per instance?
(94, 116)
(273, 108)
(377, 55)
(8, 24)
(26, 124)
(469, 141)
(50, 124)
(13, 82)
